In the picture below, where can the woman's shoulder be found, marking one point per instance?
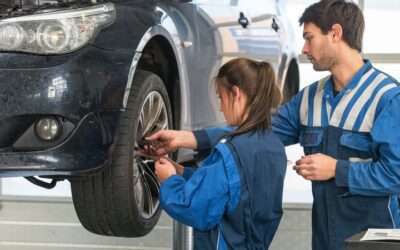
(257, 147)
(265, 139)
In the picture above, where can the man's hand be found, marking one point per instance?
(316, 167)
(168, 141)
(164, 169)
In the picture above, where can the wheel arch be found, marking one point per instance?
(158, 57)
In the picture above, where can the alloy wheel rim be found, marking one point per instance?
(153, 117)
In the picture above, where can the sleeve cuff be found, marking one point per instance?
(202, 139)
(188, 172)
(203, 144)
(342, 173)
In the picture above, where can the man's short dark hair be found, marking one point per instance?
(326, 13)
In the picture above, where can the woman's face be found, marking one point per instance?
(231, 105)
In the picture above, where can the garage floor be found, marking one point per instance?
(51, 223)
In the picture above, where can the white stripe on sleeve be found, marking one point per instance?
(368, 121)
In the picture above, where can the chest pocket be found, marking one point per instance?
(356, 147)
(311, 141)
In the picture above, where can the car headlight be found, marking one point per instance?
(54, 32)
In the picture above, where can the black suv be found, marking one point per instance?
(83, 81)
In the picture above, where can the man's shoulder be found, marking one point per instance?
(386, 85)
(390, 79)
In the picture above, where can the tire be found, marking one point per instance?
(292, 82)
(123, 199)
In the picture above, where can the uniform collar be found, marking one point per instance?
(328, 88)
(357, 77)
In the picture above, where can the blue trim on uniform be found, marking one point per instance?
(331, 97)
(323, 106)
(232, 175)
(356, 96)
(324, 114)
(328, 93)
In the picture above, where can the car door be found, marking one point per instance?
(217, 22)
(263, 37)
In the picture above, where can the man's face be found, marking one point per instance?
(318, 47)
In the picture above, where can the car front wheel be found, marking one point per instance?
(123, 199)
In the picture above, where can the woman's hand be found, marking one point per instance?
(168, 141)
(164, 169)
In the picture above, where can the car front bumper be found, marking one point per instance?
(84, 89)
(87, 148)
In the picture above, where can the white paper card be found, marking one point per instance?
(381, 234)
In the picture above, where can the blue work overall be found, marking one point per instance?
(234, 199)
(350, 127)
(360, 127)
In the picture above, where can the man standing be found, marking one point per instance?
(348, 124)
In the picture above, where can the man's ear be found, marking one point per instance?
(337, 32)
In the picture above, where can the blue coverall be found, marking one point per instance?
(360, 127)
(234, 199)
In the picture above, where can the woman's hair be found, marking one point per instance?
(258, 82)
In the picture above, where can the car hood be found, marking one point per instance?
(14, 8)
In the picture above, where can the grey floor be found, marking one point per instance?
(51, 223)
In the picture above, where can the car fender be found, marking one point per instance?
(167, 29)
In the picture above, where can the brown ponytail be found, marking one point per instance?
(258, 81)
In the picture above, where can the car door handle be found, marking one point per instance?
(274, 25)
(243, 20)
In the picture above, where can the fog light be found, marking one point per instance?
(47, 128)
